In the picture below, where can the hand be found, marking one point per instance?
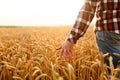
(66, 50)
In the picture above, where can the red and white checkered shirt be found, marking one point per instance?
(107, 13)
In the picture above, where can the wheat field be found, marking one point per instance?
(30, 54)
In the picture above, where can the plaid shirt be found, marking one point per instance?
(107, 13)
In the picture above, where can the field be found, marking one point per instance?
(30, 54)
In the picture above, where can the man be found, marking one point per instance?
(107, 28)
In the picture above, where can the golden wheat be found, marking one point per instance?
(30, 54)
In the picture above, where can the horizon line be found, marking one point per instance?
(35, 25)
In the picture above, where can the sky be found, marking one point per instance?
(39, 12)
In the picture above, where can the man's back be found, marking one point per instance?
(108, 15)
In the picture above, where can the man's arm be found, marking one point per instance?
(84, 18)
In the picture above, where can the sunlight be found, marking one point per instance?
(39, 12)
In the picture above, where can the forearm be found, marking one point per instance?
(82, 22)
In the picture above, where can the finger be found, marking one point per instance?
(66, 55)
(72, 54)
(58, 48)
(60, 52)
